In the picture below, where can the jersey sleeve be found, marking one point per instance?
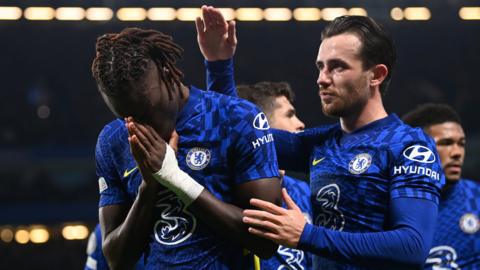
(404, 247)
(109, 184)
(416, 171)
(294, 149)
(220, 77)
(254, 151)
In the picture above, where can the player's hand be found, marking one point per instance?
(147, 147)
(173, 142)
(282, 226)
(216, 38)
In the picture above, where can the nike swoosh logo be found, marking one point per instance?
(316, 161)
(128, 172)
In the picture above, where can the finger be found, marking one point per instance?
(232, 33)
(263, 224)
(288, 200)
(262, 215)
(138, 150)
(264, 234)
(267, 206)
(218, 16)
(200, 26)
(134, 127)
(148, 132)
(154, 136)
(207, 16)
(173, 142)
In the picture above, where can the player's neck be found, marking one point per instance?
(185, 95)
(371, 112)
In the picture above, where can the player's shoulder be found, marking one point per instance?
(113, 132)
(401, 135)
(471, 185)
(232, 107)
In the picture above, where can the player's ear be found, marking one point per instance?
(378, 74)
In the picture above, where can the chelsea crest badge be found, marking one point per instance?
(198, 158)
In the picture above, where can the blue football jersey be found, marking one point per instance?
(289, 258)
(354, 176)
(224, 142)
(456, 243)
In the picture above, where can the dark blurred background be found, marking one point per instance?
(51, 112)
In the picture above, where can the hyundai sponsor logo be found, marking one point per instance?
(416, 170)
(419, 153)
(261, 122)
(262, 140)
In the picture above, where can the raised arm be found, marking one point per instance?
(157, 161)
(217, 41)
(125, 225)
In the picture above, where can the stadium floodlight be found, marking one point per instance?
(161, 14)
(417, 13)
(277, 14)
(6, 234)
(469, 13)
(132, 14)
(228, 13)
(39, 234)
(22, 236)
(70, 14)
(307, 14)
(39, 13)
(188, 14)
(329, 14)
(249, 14)
(75, 232)
(10, 13)
(357, 11)
(397, 14)
(99, 14)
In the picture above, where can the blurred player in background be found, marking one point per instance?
(183, 225)
(275, 99)
(456, 242)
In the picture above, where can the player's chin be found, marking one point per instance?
(452, 176)
(331, 110)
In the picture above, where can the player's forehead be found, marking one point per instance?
(344, 46)
(446, 130)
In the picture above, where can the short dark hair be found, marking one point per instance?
(263, 94)
(377, 45)
(429, 114)
(124, 57)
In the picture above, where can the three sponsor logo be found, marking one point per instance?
(329, 215)
(442, 257)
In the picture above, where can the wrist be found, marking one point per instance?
(218, 65)
(171, 176)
